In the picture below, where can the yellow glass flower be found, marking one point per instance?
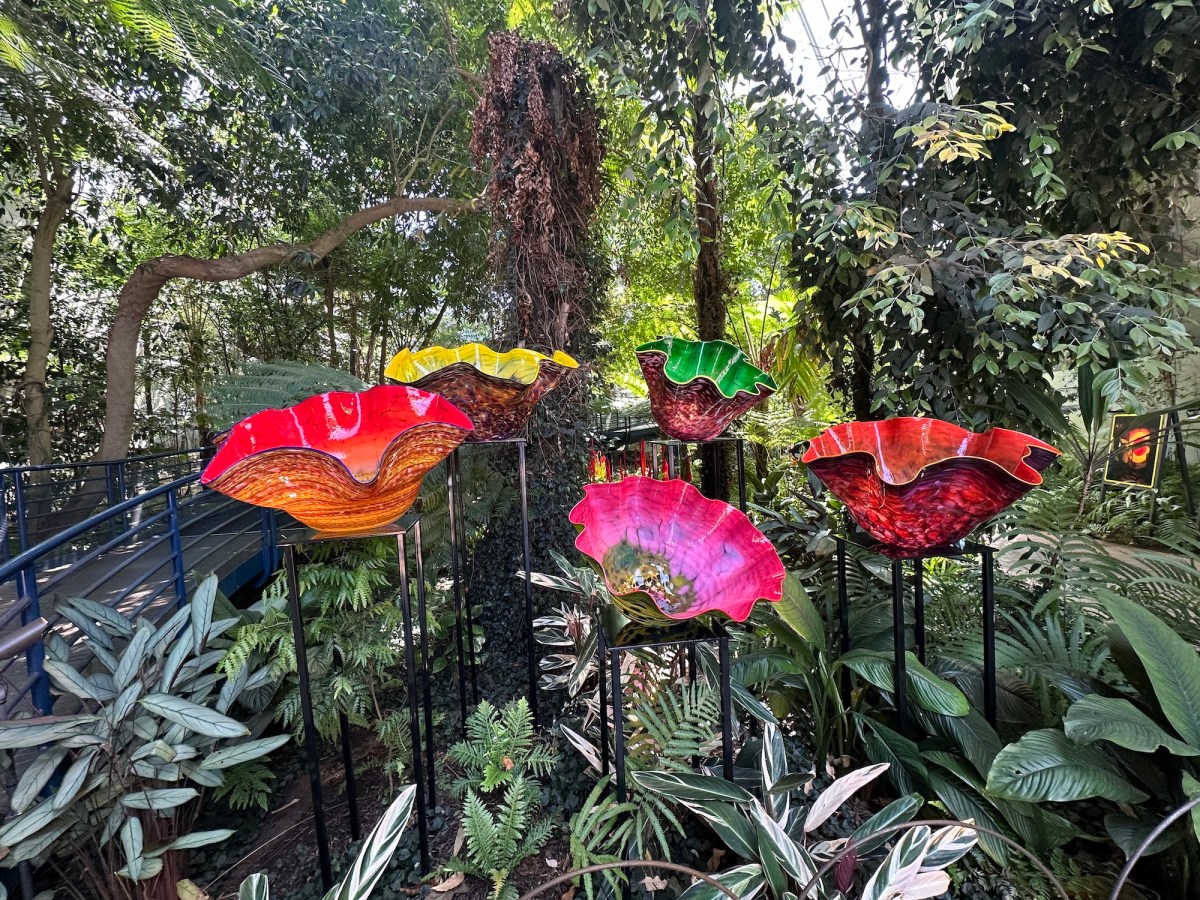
(497, 391)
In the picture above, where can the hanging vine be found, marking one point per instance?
(536, 131)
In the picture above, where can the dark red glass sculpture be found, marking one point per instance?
(916, 484)
(342, 461)
(668, 552)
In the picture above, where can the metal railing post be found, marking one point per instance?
(110, 491)
(5, 518)
(268, 536)
(35, 655)
(22, 524)
(176, 546)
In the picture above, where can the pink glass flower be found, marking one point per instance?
(668, 552)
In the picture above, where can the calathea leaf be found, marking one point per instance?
(1045, 765)
(684, 786)
(926, 690)
(902, 810)
(839, 792)
(747, 882)
(1096, 718)
(376, 851)
(159, 798)
(240, 753)
(199, 719)
(19, 733)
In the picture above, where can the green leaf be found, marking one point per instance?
(926, 689)
(98, 612)
(131, 839)
(683, 786)
(199, 719)
(134, 655)
(776, 842)
(255, 887)
(159, 799)
(901, 810)
(16, 830)
(204, 598)
(1191, 790)
(67, 679)
(35, 777)
(240, 753)
(883, 745)
(1095, 718)
(746, 882)
(839, 792)
(1170, 661)
(729, 822)
(195, 839)
(377, 850)
(798, 612)
(73, 780)
(1045, 765)
(19, 733)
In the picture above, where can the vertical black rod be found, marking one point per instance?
(987, 560)
(462, 566)
(741, 472)
(618, 717)
(348, 770)
(1189, 497)
(527, 550)
(919, 607)
(423, 618)
(602, 651)
(456, 576)
(312, 751)
(691, 663)
(899, 672)
(175, 525)
(414, 722)
(673, 460)
(726, 710)
(843, 596)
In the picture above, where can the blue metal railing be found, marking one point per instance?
(133, 555)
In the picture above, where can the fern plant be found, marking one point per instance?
(501, 761)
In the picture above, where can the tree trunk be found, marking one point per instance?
(148, 280)
(60, 188)
(710, 284)
(329, 317)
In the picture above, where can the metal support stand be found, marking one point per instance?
(400, 531)
(987, 558)
(633, 638)
(673, 449)
(458, 542)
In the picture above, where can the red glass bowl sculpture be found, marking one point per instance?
(668, 552)
(497, 390)
(916, 484)
(698, 387)
(339, 462)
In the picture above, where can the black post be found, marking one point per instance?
(603, 652)
(843, 596)
(741, 471)
(987, 561)
(410, 665)
(919, 607)
(311, 749)
(899, 673)
(531, 643)
(691, 662)
(614, 662)
(456, 576)
(419, 565)
(462, 539)
(726, 710)
(348, 769)
(1189, 497)
(673, 460)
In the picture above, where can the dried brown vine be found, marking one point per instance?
(537, 132)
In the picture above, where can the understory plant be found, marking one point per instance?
(777, 832)
(501, 761)
(110, 799)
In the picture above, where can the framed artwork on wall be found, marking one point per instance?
(1135, 450)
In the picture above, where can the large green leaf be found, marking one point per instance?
(255, 887)
(746, 882)
(372, 860)
(965, 804)
(73, 781)
(65, 678)
(1170, 661)
(883, 745)
(839, 792)
(35, 777)
(729, 822)
(134, 654)
(194, 840)
(1096, 718)
(204, 598)
(1045, 765)
(18, 829)
(199, 719)
(19, 733)
(901, 810)
(798, 612)
(159, 798)
(773, 840)
(926, 689)
(684, 786)
(240, 753)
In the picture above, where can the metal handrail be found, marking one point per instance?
(37, 551)
(87, 464)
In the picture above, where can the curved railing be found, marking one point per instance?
(133, 553)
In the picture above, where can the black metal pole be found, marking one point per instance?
(462, 539)
(691, 662)
(741, 471)
(414, 721)
(348, 770)
(1189, 497)
(312, 750)
(726, 710)
(618, 716)
(419, 566)
(456, 576)
(919, 607)
(673, 460)
(603, 653)
(527, 550)
(899, 673)
(843, 618)
(988, 563)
